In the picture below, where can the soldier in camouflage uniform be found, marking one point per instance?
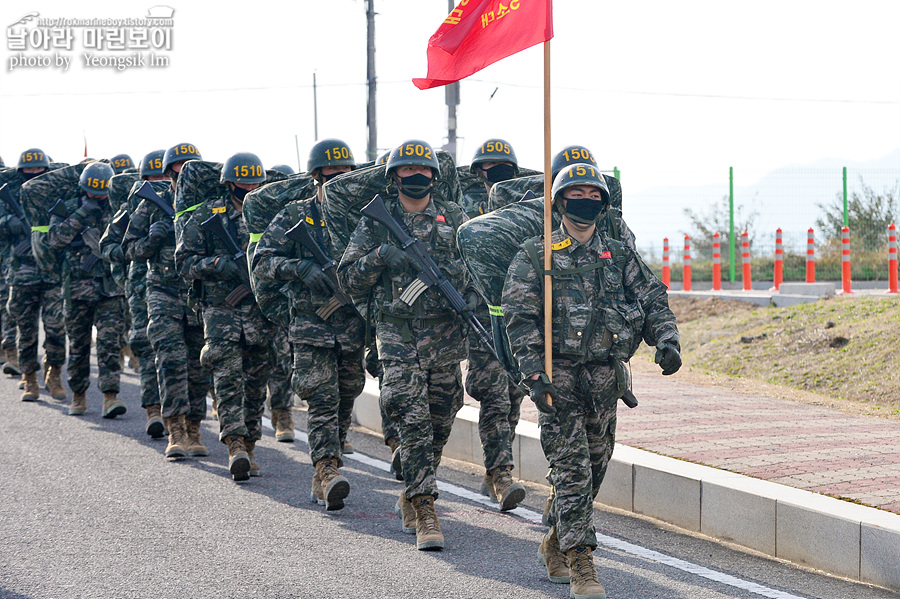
(32, 293)
(93, 298)
(173, 330)
(486, 380)
(605, 302)
(328, 353)
(135, 286)
(420, 346)
(237, 335)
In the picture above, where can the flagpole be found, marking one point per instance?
(548, 225)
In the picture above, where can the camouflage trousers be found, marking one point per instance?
(279, 386)
(423, 404)
(28, 303)
(330, 379)
(177, 340)
(578, 443)
(7, 323)
(107, 314)
(141, 347)
(240, 372)
(500, 400)
(373, 367)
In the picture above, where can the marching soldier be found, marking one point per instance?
(94, 299)
(212, 248)
(420, 346)
(605, 302)
(328, 350)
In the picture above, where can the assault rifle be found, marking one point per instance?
(147, 192)
(430, 275)
(300, 234)
(214, 226)
(89, 235)
(23, 248)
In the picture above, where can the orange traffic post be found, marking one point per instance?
(717, 263)
(779, 260)
(810, 257)
(745, 261)
(892, 259)
(687, 263)
(846, 282)
(666, 273)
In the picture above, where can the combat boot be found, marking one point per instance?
(583, 580)
(507, 492)
(155, 427)
(346, 448)
(32, 391)
(128, 355)
(407, 514)
(396, 467)
(238, 460)
(12, 364)
(553, 558)
(112, 405)
(195, 446)
(335, 487)
(428, 530)
(79, 404)
(254, 467)
(177, 447)
(317, 493)
(283, 421)
(53, 380)
(21, 383)
(545, 517)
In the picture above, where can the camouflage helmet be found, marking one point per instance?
(579, 174)
(243, 167)
(494, 150)
(180, 153)
(95, 178)
(33, 157)
(152, 164)
(283, 168)
(121, 163)
(329, 152)
(414, 152)
(570, 155)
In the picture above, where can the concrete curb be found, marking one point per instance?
(845, 539)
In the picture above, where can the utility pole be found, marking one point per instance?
(451, 96)
(315, 110)
(371, 124)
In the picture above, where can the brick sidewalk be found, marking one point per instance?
(795, 444)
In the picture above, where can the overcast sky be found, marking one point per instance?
(653, 87)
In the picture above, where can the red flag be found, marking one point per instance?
(85, 143)
(478, 33)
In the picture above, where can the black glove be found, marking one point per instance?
(159, 231)
(313, 278)
(668, 356)
(471, 301)
(89, 209)
(540, 388)
(393, 257)
(228, 268)
(15, 226)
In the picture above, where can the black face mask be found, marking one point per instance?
(583, 210)
(331, 176)
(239, 193)
(415, 186)
(499, 172)
(30, 176)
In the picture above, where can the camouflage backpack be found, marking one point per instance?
(120, 188)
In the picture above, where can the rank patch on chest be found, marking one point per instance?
(440, 218)
(605, 254)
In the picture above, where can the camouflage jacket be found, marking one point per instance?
(605, 301)
(428, 331)
(87, 275)
(160, 257)
(23, 267)
(276, 258)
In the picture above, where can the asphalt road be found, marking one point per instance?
(91, 508)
